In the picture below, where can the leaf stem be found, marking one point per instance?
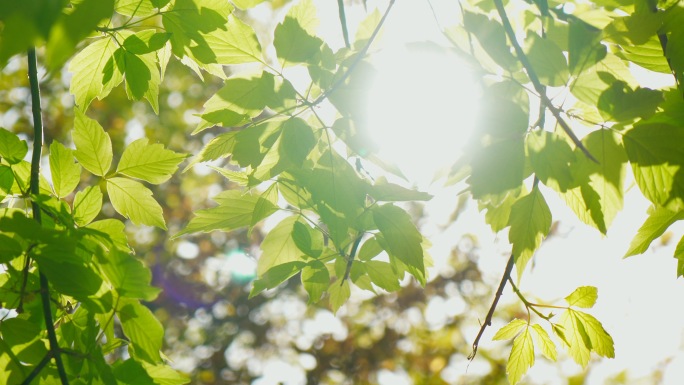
(343, 22)
(538, 86)
(488, 320)
(528, 304)
(35, 189)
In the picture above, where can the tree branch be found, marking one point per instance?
(358, 58)
(538, 86)
(488, 320)
(35, 189)
(343, 22)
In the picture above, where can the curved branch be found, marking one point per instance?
(488, 320)
(538, 86)
(35, 189)
(343, 22)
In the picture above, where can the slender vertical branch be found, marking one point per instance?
(351, 257)
(538, 86)
(343, 22)
(488, 320)
(35, 179)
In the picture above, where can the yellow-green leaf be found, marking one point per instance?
(530, 222)
(95, 71)
(658, 221)
(150, 162)
(93, 145)
(143, 330)
(548, 348)
(584, 296)
(134, 201)
(278, 247)
(66, 174)
(510, 330)
(521, 358)
(87, 204)
(12, 149)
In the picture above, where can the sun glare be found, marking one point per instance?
(422, 108)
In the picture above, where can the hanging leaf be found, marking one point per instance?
(150, 162)
(142, 329)
(658, 221)
(278, 247)
(315, 279)
(402, 239)
(543, 340)
(96, 71)
(548, 61)
(530, 222)
(87, 205)
(521, 358)
(584, 296)
(135, 202)
(295, 38)
(66, 174)
(93, 146)
(12, 149)
(129, 276)
(511, 330)
(550, 157)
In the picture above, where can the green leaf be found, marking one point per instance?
(584, 333)
(620, 103)
(339, 294)
(131, 372)
(548, 61)
(142, 78)
(240, 99)
(95, 71)
(66, 174)
(135, 202)
(139, 8)
(402, 239)
(234, 210)
(492, 37)
(9, 248)
(308, 239)
(382, 275)
(295, 38)
(246, 4)
(278, 247)
(550, 157)
(679, 255)
(658, 221)
(657, 160)
(584, 46)
(145, 41)
(498, 213)
(648, 55)
(87, 205)
(6, 181)
(115, 229)
(77, 280)
(143, 330)
(93, 145)
(74, 26)
(149, 162)
(165, 375)
(548, 348)
(510, 330)
(296, 142)
(530, 222)
(12, 149)
(583, 296)
(275, 276)
(521, 358)
(236, 45)
(601, 342)
(129, 276)
(599, 196)
(315, 279)
(383, 191)
(219, 147)
(370, 249)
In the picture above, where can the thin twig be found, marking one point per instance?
(36, 369)
(35, 174)
(357, 60)
(350, 261)
(488, 320)
(535, 80)
(343, 22)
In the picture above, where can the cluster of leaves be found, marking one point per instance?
(342, 227)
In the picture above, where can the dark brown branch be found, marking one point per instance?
(35, 174)
(488, 320)
(538, 86)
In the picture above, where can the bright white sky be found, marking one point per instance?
(423, 108)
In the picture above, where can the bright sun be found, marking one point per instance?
(422, 108)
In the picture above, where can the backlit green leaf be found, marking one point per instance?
(129, 276)
(145, 41)
(308, 239)
(6, 181)
(584, 296)
(93, 145)
(165, 375)
(150, 162)
(548, 61)
(601, 342)
(382, 275)
(620, 103)
(530, 222)
(548, 348)
(521, 358)
(295, 38)
(74, 279)
(142, 329)
(275, 276)
(679, 255)
(403, 241)
(491, 35)
(658, 221)
(9, 248)
(12, 149)
(134, 201)
(278, 247)
(139, 8)
(657, 158)
(510, 330)
(95, 71)
(236, 45)
(142, 78)
(234, 210)
(339, 294)
(66, 174)
(370, 249)
(550, 157)
(384, 191)
(315, 279)
(584, 46)
(115, 229)
(87, 205)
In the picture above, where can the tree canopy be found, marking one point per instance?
(97, 192)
